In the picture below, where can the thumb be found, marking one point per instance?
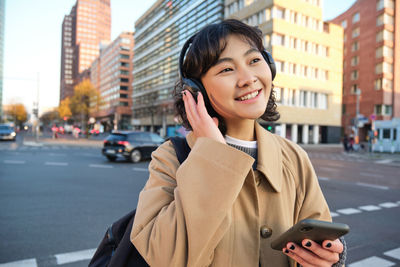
(215, 120)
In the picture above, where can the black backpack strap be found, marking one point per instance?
(181, 146)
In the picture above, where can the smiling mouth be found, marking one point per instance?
(248, 96)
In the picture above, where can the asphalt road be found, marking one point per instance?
(57, 201)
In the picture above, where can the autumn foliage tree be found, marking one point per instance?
(64, 109)
(18, 113)
(86, 100)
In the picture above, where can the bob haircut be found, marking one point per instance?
(204, 52)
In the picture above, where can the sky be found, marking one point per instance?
(32, 44)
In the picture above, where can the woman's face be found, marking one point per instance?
(239, 85)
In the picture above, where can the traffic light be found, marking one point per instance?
(269, 128)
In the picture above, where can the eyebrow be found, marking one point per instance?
(228, 59)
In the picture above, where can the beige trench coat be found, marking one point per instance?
(211, 210)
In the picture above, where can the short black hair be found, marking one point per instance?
(204, 52)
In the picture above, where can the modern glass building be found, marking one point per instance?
(2, 14)
(159, 36)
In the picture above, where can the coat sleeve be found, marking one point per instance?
(310, 202)
(184, 212)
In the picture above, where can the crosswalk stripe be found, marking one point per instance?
(23, 263)
(100, 166)
(369, 208)
(15, 161)
(349, 211)
(373, 186)
(394, 253)
(56, 163)
(372, 262)
(74, 256)
(389, 205)
(140, 169)
(334, 214)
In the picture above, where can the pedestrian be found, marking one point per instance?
(346, 143)
(241, 186)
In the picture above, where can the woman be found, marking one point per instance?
(240, 186)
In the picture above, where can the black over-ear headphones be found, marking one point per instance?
(194, 85)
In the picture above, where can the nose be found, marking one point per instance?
(245, 77)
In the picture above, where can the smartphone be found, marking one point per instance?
(315, 230)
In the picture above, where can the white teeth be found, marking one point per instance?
(249, 96)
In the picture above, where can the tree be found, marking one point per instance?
(64, 109)
(86, 100)
(18, 113)
(49, 117)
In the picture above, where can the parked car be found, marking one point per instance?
(133, 146)
(7, 132)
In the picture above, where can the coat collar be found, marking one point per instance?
(269, 160)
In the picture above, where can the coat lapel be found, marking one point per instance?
(269, 157)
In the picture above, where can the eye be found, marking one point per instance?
(225, 70)
(255, 60)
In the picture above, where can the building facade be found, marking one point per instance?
(111, 74)
(88, 24)
(371, 64)
(308, 56)
(2, 15)
(159, 37)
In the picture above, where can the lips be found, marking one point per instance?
(248, 96)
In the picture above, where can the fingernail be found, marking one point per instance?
(308, 244)
(329, 245)
(292, 247)
(286, 251)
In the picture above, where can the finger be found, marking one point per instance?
(306, 255)
(297, 258)
(215, 120)
(320, 251)
(189, 113)
(201, 107)
(334, 246)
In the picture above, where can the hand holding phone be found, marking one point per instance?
(315, 230)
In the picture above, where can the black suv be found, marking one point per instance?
(133, 146)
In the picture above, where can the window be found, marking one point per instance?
(267, 40)
(278, 39)
(354, 61)
(344, 24)
(384, 19)
(278, 94)
(277, 13)
(354, 75)
(354, 89)
(386, 133)
(280, 66)
(354, 46)
(388, 110)
(356, 32)
(384, 4)
(356, 17)
(323, 103)
(378, 84)
(378, 109)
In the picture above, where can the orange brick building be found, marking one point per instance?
(371, 63)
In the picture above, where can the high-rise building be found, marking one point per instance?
(88, 24)
(308, 57)
(371, 63)
(159, 37)
(111, 74)
(2, 15)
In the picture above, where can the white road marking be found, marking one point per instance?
(371, 174)
(23, 263)
(394, 253)
(389, 205)
(56, 163)
(349, 211)
(384, 161)
(334, 214)
(369, 208)
(100, 166)
(57, 154)
(140, 169)
(373, 186)
(372, 262)
(15, 161)
(74, 256)
(324, 178)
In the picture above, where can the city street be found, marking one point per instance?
(57, 200)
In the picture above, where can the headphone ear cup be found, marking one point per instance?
(270, 61)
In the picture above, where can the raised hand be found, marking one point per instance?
(202, 124)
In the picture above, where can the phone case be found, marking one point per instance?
(315, 230)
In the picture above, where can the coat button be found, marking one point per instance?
(265, 231)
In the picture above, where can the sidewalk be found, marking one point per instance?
(29, 140)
